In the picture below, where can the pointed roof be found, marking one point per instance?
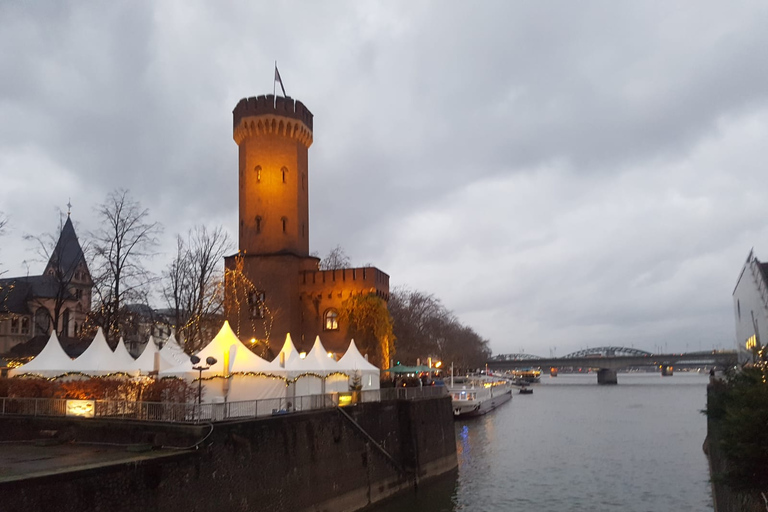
(122, 355)
(98, 357)
(291, 355)
(241, 359)
(145, 363)
(352, 359)
(317, 359)
(172, 353)
(51, 359)
(68, 254)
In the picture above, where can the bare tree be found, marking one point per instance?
(124, 242)
(193, 283)
(335, 259)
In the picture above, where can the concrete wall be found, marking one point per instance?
(306, 461)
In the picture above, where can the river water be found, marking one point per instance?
(575, 446)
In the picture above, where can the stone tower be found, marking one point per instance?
(273, 136)
(274, 286)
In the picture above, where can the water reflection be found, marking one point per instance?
(576, 446)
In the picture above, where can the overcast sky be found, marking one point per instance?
(561, 175)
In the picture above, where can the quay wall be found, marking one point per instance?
(313, 461)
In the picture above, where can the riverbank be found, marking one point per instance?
(341, 460)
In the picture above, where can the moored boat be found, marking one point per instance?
(475, 396)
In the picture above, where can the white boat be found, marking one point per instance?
(474, 396)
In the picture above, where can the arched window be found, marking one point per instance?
(331, 322)
(258, 224)
(285, 173)
(42, 321)
(257, 169)
(285, 223)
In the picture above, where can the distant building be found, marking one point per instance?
(60, 296)
(288, 293)
(750, 305)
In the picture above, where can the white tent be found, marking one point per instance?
(172, 354)
(287, 357)
(122, 355)
(51, 361)
(317, 362)
(98, 358)
(352, 362)
(231, 356)
(149, 360)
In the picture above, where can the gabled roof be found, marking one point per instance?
(16, 292)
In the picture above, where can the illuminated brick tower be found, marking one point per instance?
(288, 294)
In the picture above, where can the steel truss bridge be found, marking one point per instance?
(607, 360)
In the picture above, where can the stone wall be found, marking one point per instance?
(315, 461)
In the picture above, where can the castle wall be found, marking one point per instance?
(321, 290)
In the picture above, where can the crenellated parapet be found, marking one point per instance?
(268, 114)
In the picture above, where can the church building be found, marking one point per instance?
(60, 297)
(273, 285)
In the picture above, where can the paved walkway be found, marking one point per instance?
(20, 461)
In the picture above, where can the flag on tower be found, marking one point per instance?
(278, 79)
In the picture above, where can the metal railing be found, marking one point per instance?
(209, 411)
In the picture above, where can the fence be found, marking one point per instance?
(206, 412)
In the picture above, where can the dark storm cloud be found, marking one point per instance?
(559, 174)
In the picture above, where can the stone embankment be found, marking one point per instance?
(328, 460)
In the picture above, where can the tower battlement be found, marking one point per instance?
(270, 105)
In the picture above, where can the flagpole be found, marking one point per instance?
(273, 80)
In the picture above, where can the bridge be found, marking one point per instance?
(608, 360)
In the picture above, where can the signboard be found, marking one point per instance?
(82, 408)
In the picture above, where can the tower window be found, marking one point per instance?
(256, 304)
(285, 223)
(258, 224)
(331, 320)
(285, 173)
(258, 173)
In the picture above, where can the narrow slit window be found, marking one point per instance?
(285, 224)
(285, 173)
(258, 173)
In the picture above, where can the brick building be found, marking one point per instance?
(284, 290)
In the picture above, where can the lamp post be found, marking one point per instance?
(210, 361)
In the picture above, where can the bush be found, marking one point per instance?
(739, 407)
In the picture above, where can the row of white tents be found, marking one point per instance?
(238, 373)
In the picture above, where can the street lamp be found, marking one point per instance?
(210, 361)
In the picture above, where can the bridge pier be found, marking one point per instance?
(666, 370)
(607, 376)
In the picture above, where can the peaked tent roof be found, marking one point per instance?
(352, 359)
(145, 363)
(241, 359)
(98, 357)
(51, 358)
(317, 359)
(291, 355)
(172, 353)
(122, 355)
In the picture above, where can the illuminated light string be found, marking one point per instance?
(76, 374)
(269, 376)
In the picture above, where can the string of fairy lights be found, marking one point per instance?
(288, 380)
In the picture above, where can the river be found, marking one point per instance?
(575, 446)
